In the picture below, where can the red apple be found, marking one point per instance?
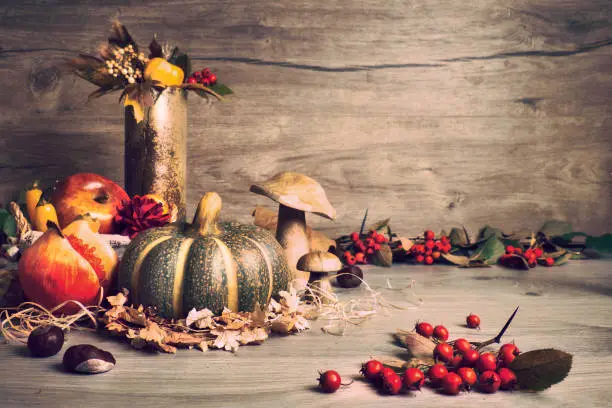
(88, 193)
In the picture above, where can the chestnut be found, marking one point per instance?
(349, 276)
(88, 359)
(45, 341)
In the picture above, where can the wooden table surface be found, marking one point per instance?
(568, 307)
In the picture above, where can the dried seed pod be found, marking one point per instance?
(88, 359)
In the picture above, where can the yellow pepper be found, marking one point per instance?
(45, 211)
(32, 196)
(159, 69)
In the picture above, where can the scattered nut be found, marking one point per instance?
(45, 341)
(88, 359)
(349, 277)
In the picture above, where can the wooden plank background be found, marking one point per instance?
(435, 112)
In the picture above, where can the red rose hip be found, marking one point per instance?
(472, 321)
(443, 352)
(371, 369)
(424, 329)
(486, 362)
(451, 383)
(413, 379)
(329, 381)
(489, 382)
(440, 332)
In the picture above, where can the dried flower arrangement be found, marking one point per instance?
(122, 65)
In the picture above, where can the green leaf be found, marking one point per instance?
(537, 370)
(560, 260)
(555, 228)
(514, 262)
(459, 237)
(379, 226)
(488, 231)
(489, 251)
(221, 89)
(9, 226)
(602, 243)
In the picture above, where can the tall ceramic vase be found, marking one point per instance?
(156, 150)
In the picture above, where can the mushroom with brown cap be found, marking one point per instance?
(296, 194)
(319, 264)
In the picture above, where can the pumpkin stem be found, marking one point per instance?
(207, 214)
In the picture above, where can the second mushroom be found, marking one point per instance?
(296, 194)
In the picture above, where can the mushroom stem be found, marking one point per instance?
(291, 234)
(319, 284)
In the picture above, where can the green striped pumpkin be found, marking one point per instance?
(205, 264)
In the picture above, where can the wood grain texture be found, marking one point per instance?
(435, 113)
(565, 307)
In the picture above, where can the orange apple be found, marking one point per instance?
(88, 193)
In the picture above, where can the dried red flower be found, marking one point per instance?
(139, 214)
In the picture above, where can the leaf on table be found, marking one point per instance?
(459, 260)
(404, 242)
(200, 319)
(514, 261)
(301, 323)
(417, 345)
(256, 335)
(537, 370)
(383, 257)
(221, 89)
(134, 316)
(274, 307)
(555, 228)
(152, 336)
(258, 317)
(563, 259)
(489, 251)
(180, 339)
(226, 339)
(282, 325)
(116, 328)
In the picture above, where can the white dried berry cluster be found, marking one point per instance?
(127, 64)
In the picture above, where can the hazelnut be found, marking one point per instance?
(88, 359)
(45, 341)
(349, 277)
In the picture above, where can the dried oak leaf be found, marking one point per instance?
(274, 307)
(256, 335)
(134, 316)
(116, 328)
(289, 300)
(181, 339)
(282, 325)
(152, 335)
(226, 339)
(200, 319)
(258, 317)
(118, 300)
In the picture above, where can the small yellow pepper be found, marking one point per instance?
(32, 196)
(45, 211)
(159, 69)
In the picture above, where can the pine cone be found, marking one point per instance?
(139, 214)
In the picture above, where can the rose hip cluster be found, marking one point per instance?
(363, 248)
(531, 255)
(204, 77)
(459, 366)
(430, 250)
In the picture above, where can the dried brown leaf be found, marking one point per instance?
(180, 339)
(226, 339)
(200, 319)
(118, 300)
(253, 336)
(417, 345)
(134, 316)
(282, 325)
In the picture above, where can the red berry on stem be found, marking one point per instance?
(376, 247)
(509, 249)
(470, 358)
(351, 260)
(489, 382)
(371, 369)
(413, 379)
(456, 361)
(509, 347)
(440, 333)
(360, 257)
(538, 252)
(451, 383)
(505, 358)
(429, 244)
(192, 80)
(462, 345)
(347, 254)
(443, 352)
(380, 239)
(436, 373)
(549, 261)
(436, 254)
(424, 329)
(355, 236)
(392, 384)
(419, 258)
(486, 362)
(386, 372)
(212, 78)
(518, 251)
(468, 375)
(205, 81)
(197, 75)
(445, 239)
(429, 235)
(330, 381)
(429, 260)
(507, 378)
(472, 321)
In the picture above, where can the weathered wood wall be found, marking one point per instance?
(432, 112)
